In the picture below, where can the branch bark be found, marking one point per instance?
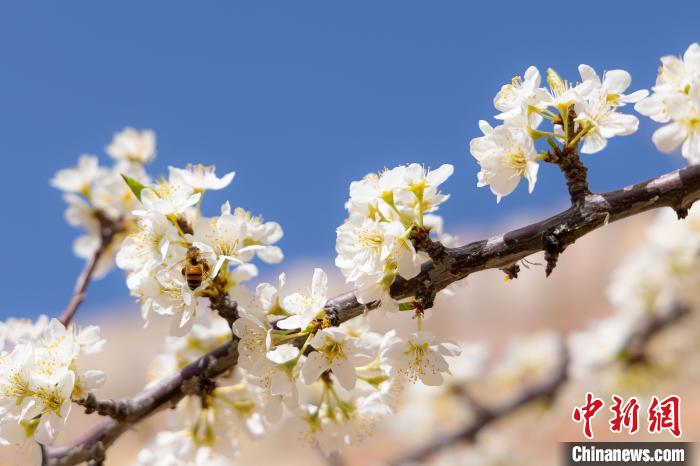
(677, 189)
(166, 394)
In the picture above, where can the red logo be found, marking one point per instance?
(625, 416)
(661, 415)
(586, 412)
(665, 415)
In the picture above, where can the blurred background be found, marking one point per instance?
(300, 98)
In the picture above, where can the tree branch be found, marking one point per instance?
(108, 230)
(678, 189)
(165, 394)
(547, 389)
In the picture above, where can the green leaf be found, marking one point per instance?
(135, 186)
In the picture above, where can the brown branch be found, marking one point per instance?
(678, 189)
(636, 346)
(569, 161)
(108, 230)
(166, 394)
(115, 409)
(548, 389)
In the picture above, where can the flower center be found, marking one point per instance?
(518, 161)
(370, 239)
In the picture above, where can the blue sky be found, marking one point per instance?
(299, 98)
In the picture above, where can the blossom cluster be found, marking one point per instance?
(676, 101)
(178, 260)
(333, 387)
(374, 244)
(204, 427)
(98, 198)
(41, 372)
(585, 112)
(335, 382)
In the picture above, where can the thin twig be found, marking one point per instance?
(108, 229)
(678, 189)
(636, 346)
(81, 286)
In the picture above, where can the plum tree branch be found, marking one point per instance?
(108, 230)
(547, 389)
(677, 189)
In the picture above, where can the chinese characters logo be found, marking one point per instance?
(662, 415)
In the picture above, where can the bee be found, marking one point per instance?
(195, 269)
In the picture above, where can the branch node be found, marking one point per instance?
(117, 410)
(98, 455)
(420, 237)
(424, 300)
(225, 306)
(570, 164)
(681, 212)
(198, 386)
(184, 225)
(552, 248)
(332, 316)
(511, 271)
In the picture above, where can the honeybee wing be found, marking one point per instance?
(219, 260)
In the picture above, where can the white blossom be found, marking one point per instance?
(150, 244)
(280, 381)
(260, 238)
(335, 352)
(562, 94)
(613, 85)
(374, 244)
(200, 177)
(676, 101)
(79, 179)
(645, 284)
(601, 122)
(514, 99)
(419, 357)
(133, 146)
(597, 110)
(367, 247)
(252, 328)
(168, 294)
(40, 376)
(223, 237)
(600, 344)
(179, 449)
(303, 308)
(469, 363)
(506, 154)
(169, 197)
(332, 427)
(14, 331)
